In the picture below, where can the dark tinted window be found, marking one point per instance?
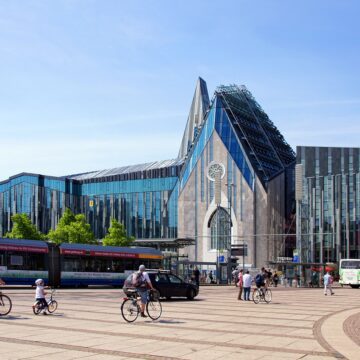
(161, 278)
(174, 279)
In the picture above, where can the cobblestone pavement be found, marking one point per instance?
(298, 324)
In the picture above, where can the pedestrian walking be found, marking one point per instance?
(247, 285)
(235, 275)
(240, 284)
(328, 280)
(196, 276)
(211, 277)
(268, 276)
(275, 279)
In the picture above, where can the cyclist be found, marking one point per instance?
(141, 282)
(260, 280)
(40, 295)
(2, 282)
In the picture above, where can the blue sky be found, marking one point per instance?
(87, 85)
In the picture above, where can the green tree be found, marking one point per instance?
(23, 228)
(117, 235)
(72, 229)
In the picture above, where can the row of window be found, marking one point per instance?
(102, 264)
(15, 260)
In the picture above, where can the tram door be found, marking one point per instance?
(54, 265)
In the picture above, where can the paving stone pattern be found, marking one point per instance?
(88, 325)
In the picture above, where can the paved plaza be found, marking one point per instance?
(298, 324)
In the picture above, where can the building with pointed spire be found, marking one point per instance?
(256, 188)
(230, 188)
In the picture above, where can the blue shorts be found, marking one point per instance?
(144, 294)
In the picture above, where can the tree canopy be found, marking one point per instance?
(23, 228)
(117, 235)
(72, 229)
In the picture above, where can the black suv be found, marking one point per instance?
(168, 285)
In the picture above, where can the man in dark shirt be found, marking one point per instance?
(196, 275)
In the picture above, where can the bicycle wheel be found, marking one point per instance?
(52, 306)
(256, 296)
(267, 296)
(129, 310)
(154, 309)
(37, 308)
(5, 305)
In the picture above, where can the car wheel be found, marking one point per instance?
(191, 294)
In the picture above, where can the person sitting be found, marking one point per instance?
(260, 280)
(141, 282)
(40, 295)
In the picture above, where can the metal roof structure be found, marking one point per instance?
(265, 146)
(127, 169)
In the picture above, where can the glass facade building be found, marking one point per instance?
(142, 197)
(328, 216)
(174, 198)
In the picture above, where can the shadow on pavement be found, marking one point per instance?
(181, 300)
(12, 317)
(170, 322)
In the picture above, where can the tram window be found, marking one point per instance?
(35, 262)
(117, 265)
(16, 260)
(129, 264)
(154, 265)
(72, 264)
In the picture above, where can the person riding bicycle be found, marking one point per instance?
(141, 282)
(40, 295)
(260, 280)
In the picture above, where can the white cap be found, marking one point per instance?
(39, 281)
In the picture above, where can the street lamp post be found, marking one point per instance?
(228, 247)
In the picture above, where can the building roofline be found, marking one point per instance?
(327, 147)
(31, 174)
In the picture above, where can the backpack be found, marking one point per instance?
(259, 279)
(138, 280)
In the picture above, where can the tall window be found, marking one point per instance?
(220, 229)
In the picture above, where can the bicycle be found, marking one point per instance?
(51, 305)
(5, 304)
(130, 307)
(262, 294)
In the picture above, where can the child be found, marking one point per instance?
(40, 295)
